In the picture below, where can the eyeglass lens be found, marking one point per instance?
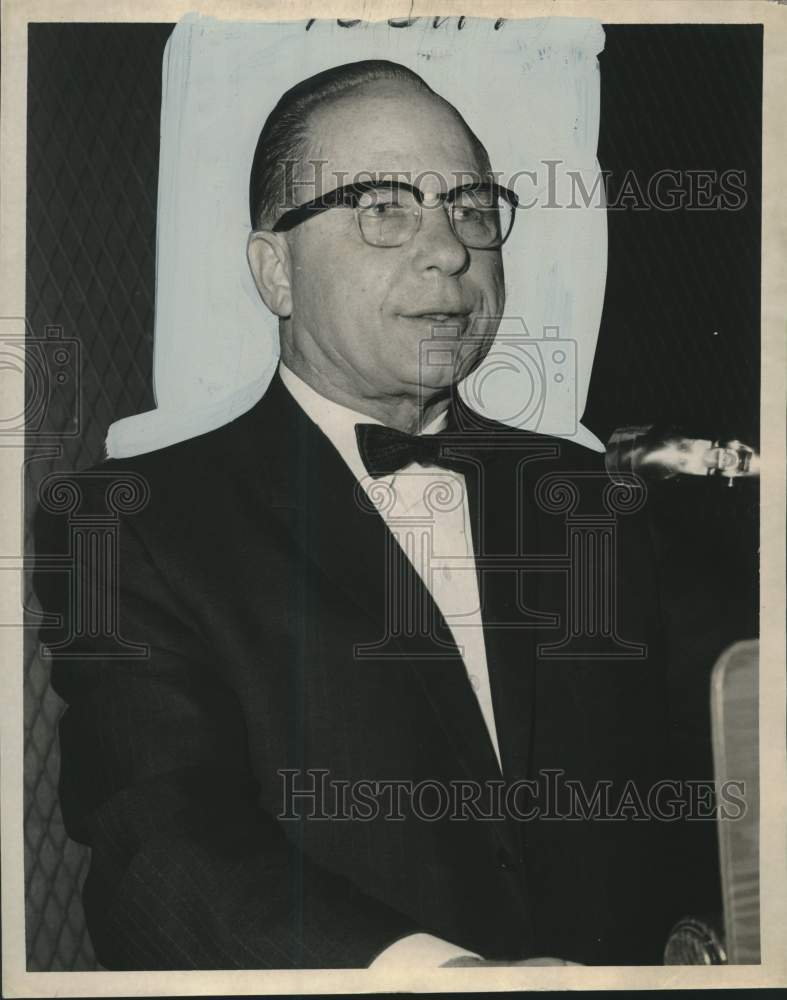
(388, 217)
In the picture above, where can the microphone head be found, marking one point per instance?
(658, 453)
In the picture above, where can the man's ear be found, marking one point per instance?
(269, 261)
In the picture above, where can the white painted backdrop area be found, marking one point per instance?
(528, 88)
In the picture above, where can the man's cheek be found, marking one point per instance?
(492, 284)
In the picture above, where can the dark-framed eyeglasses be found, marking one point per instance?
(389, 212)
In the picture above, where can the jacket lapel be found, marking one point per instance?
(510, 637)
(505, 520)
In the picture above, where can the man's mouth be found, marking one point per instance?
(440, 316)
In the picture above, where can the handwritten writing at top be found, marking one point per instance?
(405, 22)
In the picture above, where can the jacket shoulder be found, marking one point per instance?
(174, 481)
(557, 452)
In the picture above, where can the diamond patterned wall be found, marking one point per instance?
(93, 120)
(672, 96)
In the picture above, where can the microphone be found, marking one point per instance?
(663, 452)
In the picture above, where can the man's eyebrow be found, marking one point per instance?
(386, 182)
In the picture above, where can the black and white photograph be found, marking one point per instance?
(393, 414)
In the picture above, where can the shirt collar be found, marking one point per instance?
(338, 422)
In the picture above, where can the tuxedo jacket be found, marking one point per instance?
(265, 595)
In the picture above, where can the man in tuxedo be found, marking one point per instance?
(361, 584)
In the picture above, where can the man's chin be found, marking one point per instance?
(442, 365)
(435, 376)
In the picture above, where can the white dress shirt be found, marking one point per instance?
(425, 507)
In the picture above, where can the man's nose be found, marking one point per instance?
(436, 244)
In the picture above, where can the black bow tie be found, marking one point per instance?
(385, 450)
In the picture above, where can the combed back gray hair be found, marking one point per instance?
(285, 134)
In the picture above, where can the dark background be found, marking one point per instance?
(679, 339)
(684, 98)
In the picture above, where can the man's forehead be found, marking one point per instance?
(402, 134)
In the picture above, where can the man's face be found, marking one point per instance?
(364, 311)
